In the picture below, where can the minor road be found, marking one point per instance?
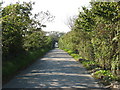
(56, 69)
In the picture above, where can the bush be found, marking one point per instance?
(96, 35)
(23, 39)
(89, 64)
(11, 67)
(105, 76)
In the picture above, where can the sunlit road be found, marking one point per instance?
(56, 69)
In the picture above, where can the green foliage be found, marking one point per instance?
(35, 40)
(73, 54)
(66, 50)
(15, 20)
(21, 33)
(23, 40)
(70, 52)
(105, 76)
(89, 64)
(76, 56)
(96, 35)
(54, 35)
(11, 67)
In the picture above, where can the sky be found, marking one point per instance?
(61, 9)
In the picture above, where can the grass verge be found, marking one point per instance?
(12, 67)
(104, 77)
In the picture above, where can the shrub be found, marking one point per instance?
(89, 64)
(10, 68)
(105, 75)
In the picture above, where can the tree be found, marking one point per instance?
(36, 38)
(42, 17)
(71, 21)
(15, 20)
(96, 35)
(20, 32)
(55, 36)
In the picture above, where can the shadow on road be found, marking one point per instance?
(56, 70)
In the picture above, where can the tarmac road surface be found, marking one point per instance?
(57, 69)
